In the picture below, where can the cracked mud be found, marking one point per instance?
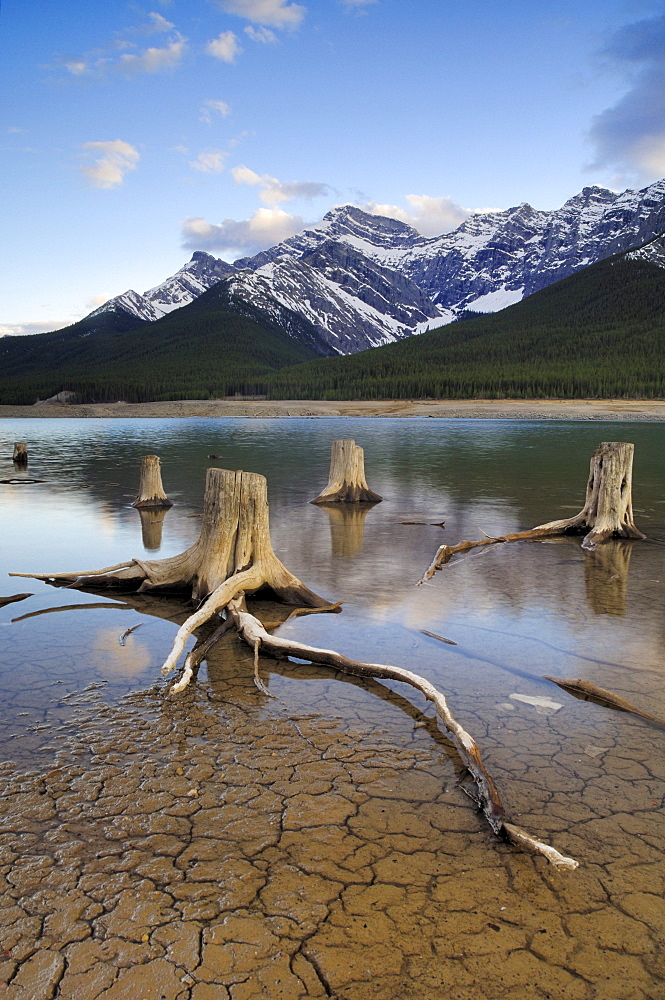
(225, 847)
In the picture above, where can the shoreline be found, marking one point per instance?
(488, 409)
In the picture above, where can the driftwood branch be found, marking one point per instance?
(590, 692)
(607, 511)
(487, 797)
(14, 597)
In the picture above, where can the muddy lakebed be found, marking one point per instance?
(318, 843)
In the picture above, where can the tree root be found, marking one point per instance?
(487, 796)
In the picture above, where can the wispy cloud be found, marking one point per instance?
(273, 13)
(225, 47)
(273, 191)
(262, 35)
(209, 163)
(357, 4)
(123, 54)
(116, 159)
(211, 108)
(629, 137)
(263, 229)
(153, 59)
(429, 215)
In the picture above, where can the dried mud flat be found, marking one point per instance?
(227, 846)
(491, 409)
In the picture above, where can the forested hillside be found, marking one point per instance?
(600, 332)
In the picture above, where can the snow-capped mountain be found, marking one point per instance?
(364, 280)
(196, 276)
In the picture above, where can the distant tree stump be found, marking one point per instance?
(608, 505)
(151, 492)
(607, 511)
(20, 455)
(346, 481)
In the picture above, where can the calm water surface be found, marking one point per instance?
(516, 612)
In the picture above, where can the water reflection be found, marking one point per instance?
(152, 524)
(347, 527)
(606, 577)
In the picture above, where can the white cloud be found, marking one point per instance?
(158, 23)
(274, 191)
(266, 227)
(263, 35)
(154, 60)
(358, 4)
(95, 301)
(109, 169)
(429, 216)
(629, 137)
(274, 13)
(209, 163)
(27, 329)
(225, 47)
(77, 67)
(212, 107)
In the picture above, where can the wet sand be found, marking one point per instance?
(492, 409)
(224, 846)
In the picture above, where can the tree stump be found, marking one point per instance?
(20, 456)
(346, 481)
(607, 511)
(232, 556)
(151, 492)
(608, 505)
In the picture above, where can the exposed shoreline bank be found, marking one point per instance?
(488, 409)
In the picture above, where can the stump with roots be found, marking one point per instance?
(151, 492)
(232, 556)
(346, 481)
(607, 511)
(20, 456)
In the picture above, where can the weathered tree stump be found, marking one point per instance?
(346, 481)
(607, 511)
(20, 456)
(151, 492)
(232, 556)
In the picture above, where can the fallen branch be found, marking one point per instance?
(73, 607)
(441, 638)
(198, 654)
(122, 638)
(589, 692)
(255, 635)
(14, 597)
(607, 511)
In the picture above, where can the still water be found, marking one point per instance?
(439, 893)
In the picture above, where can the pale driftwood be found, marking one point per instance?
(590, 692)
(346, 481)
(232, 555)
(487, 797)
(151, 491)
(20, 456)
(441, 638)
(128, 631)
(607, 511)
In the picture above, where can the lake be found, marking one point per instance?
(432, 887)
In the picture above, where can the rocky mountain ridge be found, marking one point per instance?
(363, 280)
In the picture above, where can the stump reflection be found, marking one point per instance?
(152, 523)
(606, 577)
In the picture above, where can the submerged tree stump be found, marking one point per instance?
(346, 481)
(151, 492)
(20, 456)
(232, 556)
(607, 511)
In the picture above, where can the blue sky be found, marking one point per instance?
(134, 133)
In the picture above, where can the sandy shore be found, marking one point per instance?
(489, 409)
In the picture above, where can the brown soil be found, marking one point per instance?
(503, 409)
(227, 847)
